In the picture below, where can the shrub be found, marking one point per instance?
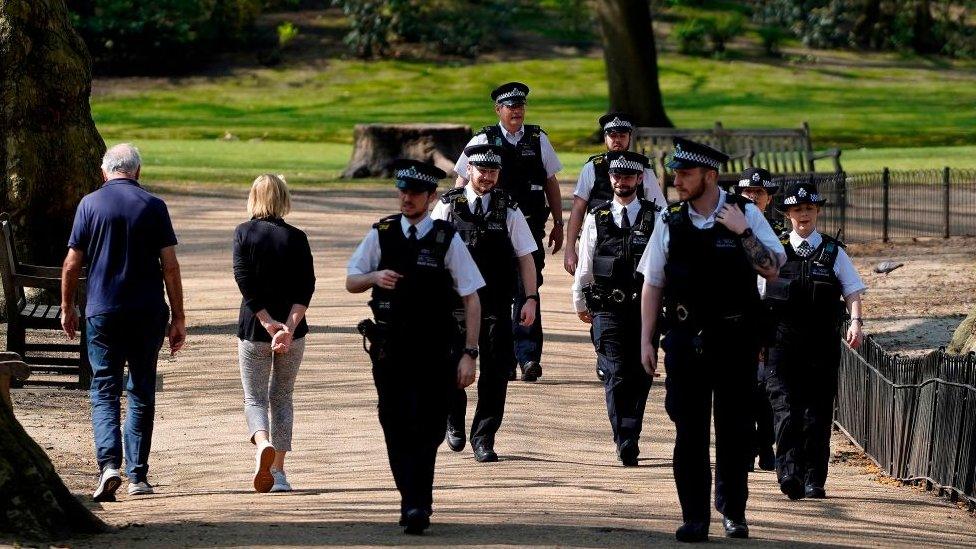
(690, 36)
(772, 38)
(723, 28)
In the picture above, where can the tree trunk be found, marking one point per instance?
(50, 151)
(377, 145)
(865, 27)
(964, 338)
(49, 157)
(631, 60)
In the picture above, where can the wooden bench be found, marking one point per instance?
(780, 151)
(11, 368)
(38, 311)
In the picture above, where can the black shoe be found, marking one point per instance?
(792, 487)
(484, 453)
(600, 375)
(628, 452)
(767, 461)
(531, 371)
(455, 437)
(735, 528)
(814, 492)
(692, 532)
(512, 376)
(415, 521)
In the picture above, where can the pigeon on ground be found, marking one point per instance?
(886, 267)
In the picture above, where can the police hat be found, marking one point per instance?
(414, 175)
(485, 156)
(689, 154)
(802, 193)
(626, 162)
(510, 94)
(757, 177)
(616, 122)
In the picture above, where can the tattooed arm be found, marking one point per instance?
(762, 259)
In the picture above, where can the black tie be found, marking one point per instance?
(412, 234)
(624, 219)
(479, 208)
(804, 249)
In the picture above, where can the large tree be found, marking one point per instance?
(631, 60)
(49, 156)
(50, 150)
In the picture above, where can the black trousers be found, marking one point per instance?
(616, 338)
(801, 381)
(714, 367)
(415, 385)
(495, 361)
(761, 407)
(528, 341)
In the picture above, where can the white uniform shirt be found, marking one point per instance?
(656, 255)
(652, 190)
(518, 229)
(549, 159)
(850, 281)
(587, 245)
(465, 274)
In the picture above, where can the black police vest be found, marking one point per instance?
(708, 272)
(523, 174)
(602, 189)
(488, 241)
(779, 227)
(814, 292)
(618, 251)
(423, 299)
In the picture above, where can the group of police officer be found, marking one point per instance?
(706, 277)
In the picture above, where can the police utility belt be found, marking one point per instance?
(677, 314)
(599, 298)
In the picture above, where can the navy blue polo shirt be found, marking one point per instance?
(121, 228)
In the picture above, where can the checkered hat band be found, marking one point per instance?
(617, 123)
(516, 93)
(695, 157)
(486, 157)
(414, 174)
(749, 183)
(790, 200)
(624, 164)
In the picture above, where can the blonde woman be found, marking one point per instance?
(273, 269)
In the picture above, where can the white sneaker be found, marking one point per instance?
(280, 482)
(140, 488)
(263, 480)
(108, 483)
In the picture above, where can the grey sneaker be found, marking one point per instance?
(140, 488)
(108, 483)
(280, 482)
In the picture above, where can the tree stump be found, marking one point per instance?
(964, 338)
(377, 145)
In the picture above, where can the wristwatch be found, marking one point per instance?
(471, 352)
(533, 296)
(746, 233)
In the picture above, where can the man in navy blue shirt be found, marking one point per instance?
(123, 234)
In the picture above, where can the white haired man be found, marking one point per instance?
(124, 235)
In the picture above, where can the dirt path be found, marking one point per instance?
(557, 484)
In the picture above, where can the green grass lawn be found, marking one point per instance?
(849, 102)
(188, 161)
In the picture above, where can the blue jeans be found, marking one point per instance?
(114, 340)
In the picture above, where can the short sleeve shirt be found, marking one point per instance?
(121, 229)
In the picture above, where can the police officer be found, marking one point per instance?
(494, 229)
(416, 267)
(803, 362)
(529, 177)
(757, 185)
(593, 187)
(703, 260)
(606, 294)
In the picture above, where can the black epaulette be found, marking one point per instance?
(598, 159)
(387, 222)
(450, 195)
(604, 204)
(738, 200)
(531, 128)
(673, 213)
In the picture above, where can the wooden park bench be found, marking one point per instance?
(36, 311)
(781, 151)
(11, 368)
